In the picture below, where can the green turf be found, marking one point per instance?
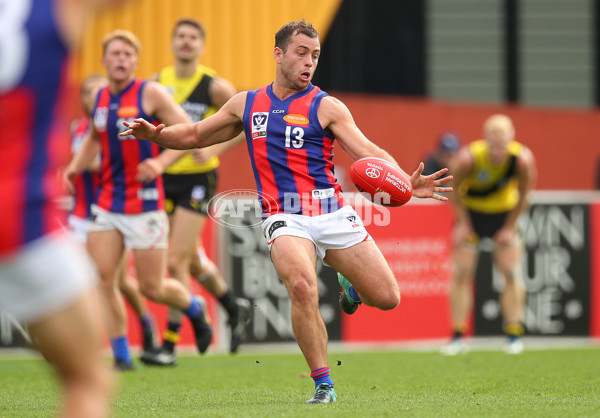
(377, 383)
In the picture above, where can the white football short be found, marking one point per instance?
(78, 227)
(142, 231)
(44, 277)
(332, 231)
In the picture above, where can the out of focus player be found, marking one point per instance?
(45, 279)
(86, 184)
(493, 178)
(129, 206)
(191, 183)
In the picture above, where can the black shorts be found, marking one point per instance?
(190, 191)
(487, 224)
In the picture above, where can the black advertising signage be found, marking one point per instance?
(556, 273)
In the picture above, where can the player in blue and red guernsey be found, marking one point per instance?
(290, 128)
(129, 205)
(46, 280)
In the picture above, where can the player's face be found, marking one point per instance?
(187, 44)
(120, 60)
(498, 140)
(300, 60)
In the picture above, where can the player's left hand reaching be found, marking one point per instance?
(142, 129)
(428, 186)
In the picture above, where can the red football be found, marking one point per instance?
(382, 181)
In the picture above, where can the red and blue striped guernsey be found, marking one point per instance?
(34, 129)
(119, 191)
(291, 153)
(86, 183)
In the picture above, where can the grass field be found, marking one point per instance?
(542, 383)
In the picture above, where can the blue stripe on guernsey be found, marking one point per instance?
(116, 152)
(146, 152)
(246, 121)
(52, 57)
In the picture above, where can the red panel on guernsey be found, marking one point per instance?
(328, 154)
(105, 198)
(298, 158)
(131, 155)
(16, 106)
(270, 192)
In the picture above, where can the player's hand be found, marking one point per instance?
(428, 186)
(142, 129)
(148, 170)
(68, 179)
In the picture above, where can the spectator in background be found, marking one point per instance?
(448, 145)
(492, 178)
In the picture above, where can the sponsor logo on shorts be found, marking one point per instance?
(275, 226)
(259, 125)
(198, 193)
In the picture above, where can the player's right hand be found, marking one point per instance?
(68, 179)
(142, 129)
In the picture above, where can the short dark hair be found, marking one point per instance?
(284, 35)
(191, 22)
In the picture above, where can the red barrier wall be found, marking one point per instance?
(565, 142)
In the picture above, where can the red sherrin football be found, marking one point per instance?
(377, 176)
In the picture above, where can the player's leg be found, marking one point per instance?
(185, 227)
(150, 264)
(294, 259)
(507, 258)
(69, 340)
(130, 289)
(238, 310)
(365, 268)
(464, 262)
(106, 249)
(48, 285)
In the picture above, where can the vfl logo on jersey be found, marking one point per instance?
(259, 125)
(101, 118)
(295, 119)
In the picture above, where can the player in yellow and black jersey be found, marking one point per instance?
(493, 178)
(191, 182)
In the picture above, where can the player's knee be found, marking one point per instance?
(150, 291)
(302, 291)
(389, 298)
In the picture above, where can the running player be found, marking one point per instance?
(129, 206)
(290, 127)
(46, 280)
(86, 185)
(191, 183)
(493, 178)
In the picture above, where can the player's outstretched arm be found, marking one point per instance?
(429, 186)
(224, 125)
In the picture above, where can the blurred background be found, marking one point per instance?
(410, 70)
